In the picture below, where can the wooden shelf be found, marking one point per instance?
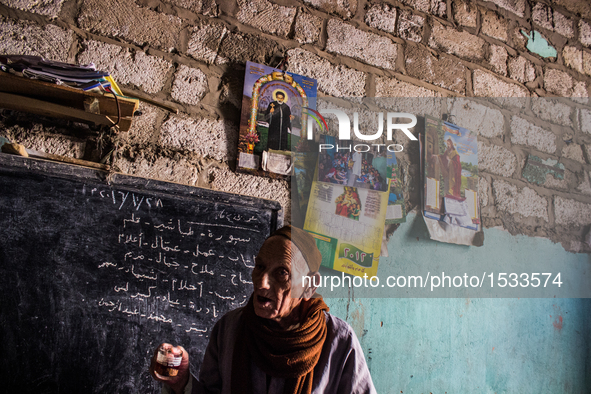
(44, 98)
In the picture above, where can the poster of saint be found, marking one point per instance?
(451, 174)
(273, 119)
(346, 166)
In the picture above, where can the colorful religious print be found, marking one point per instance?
(451, 174)
(273, 119)
(396, 212)
(347, 207)
(345, 166)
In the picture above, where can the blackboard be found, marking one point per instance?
(97, 269)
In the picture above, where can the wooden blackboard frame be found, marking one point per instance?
(60, 329)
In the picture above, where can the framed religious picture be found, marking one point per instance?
(273, 120)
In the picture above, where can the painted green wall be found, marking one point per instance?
(478, 345)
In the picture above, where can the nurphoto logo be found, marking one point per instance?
(345, 129)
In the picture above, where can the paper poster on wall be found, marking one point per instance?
(273, 119)
(396, 212)
(451, 174)
(347, 207)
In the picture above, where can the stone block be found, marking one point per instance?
(552, 20)
(144, 128)
(494, 25)
(266, 16)
(521, 69)
(28, 38)
(498, 59)
(576, 7)
(482, 120)
(205, 41)
(488, 85)
(525, 202)
(526, 133)
(555, 112)
(410, 26)
(346, 40)
(148, 164)
(585, 33)
(434, 7)
(574, 152)
(224, 179)
(338, 81)
(577, 59)
(205, 7)
(465, 13)
(561, 84)
(538, 170)
(584, 117)
(496, 160)
(189, 86)
(240, 47)
(345, 9)
(585, 186)
(571, 212)
(558, 82)
(580, 93)
(515, 6)
(381, 16)
(50, 8)
(45, 138)
(483, 190)
(127, 20)
(442, 71)
(207, 137)
(307, 28)
(149, 73)
(419, 106)
(460, 43)
(393, 87)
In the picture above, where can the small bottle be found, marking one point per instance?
(167, 364)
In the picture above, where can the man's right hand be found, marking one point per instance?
(177, 383)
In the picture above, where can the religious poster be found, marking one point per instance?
(396, 212)
(273, 119)
(347, 207)
(451, 174)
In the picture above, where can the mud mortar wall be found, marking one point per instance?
(192, 53)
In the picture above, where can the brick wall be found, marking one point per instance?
(192, 53)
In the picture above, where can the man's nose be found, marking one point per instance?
(263, 281)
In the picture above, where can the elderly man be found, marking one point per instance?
(284, 340)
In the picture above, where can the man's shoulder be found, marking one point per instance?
(339, 330)
(227, 325)
(232, 316)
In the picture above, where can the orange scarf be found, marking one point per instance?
(291, 355)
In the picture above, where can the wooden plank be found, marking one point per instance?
(65, 95)
(27, 104)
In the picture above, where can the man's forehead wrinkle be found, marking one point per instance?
(276, 248)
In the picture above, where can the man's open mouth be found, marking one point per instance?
(264, 301)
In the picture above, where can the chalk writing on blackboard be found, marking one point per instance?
(175, 255)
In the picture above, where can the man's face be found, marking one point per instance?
(280, 98)
(277, 282)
